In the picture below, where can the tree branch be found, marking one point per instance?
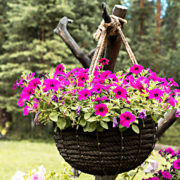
(105, 14)
(62, 31)
(165, 123)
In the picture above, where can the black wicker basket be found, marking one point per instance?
(109, 152)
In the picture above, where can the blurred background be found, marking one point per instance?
(28, 44)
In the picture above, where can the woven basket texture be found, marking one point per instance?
(109, 152)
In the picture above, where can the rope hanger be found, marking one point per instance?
(101, 35)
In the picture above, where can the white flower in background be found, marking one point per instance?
(18, 176)
(40, 174)
(152, 166)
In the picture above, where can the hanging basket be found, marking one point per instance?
(109, 152)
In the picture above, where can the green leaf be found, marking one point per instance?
(82, 122)
(90, 127)
(92, 119)
(104, 124)
(125, 109)
(135, 129)
(61, 123)
(106, 119)
(87, 116)
(54, 116)
(155, 120)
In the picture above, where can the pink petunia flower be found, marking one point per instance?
(176, 164)
(166, 174)
(101, 109)
(169, 151)
(173, 82)
(26, 110)
(98, 88)
(128, 80)
(104, 61)
(34, 83)
(136, 69)
(21, 102)
(51, 84)
(120, 92)
(155, 94)
(172, 101)
(176, 92)
(84, 94)
(59, 69)
(26, 93)
(82, 77)
(105, 74)
(113, 77)
(98, 99)
(126, 118)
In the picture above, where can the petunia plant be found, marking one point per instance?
(76, 99)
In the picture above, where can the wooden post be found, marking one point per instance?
(114, 42)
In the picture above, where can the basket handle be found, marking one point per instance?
(101, 36)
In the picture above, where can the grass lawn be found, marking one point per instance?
(27, 155)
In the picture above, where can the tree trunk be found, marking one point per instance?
(158, 34)
(141, 20)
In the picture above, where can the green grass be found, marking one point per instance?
(27, 155)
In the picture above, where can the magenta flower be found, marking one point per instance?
(136, 69)
(51, 84)
(176, 92)
(26, 110)
(178, 153)
(162, 81)
(15, 85)
(143, 80)
(169, 151)
(152, 76)
(34, 83)
(84, 94)
(177, 113)
(128, 80)
(151, 178)
(173, 82)
(172, 101)
(155, 94)
(101, 109)
(59, 69)
(113, 77)
(105, 74)
(104, 61)
(98, 99)
(120, 92)
(176, 164)
(82, 77)
(166, 174)
(126, 118)
(21, 102)
(26, 93)
(137, 85)
(98, 88)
